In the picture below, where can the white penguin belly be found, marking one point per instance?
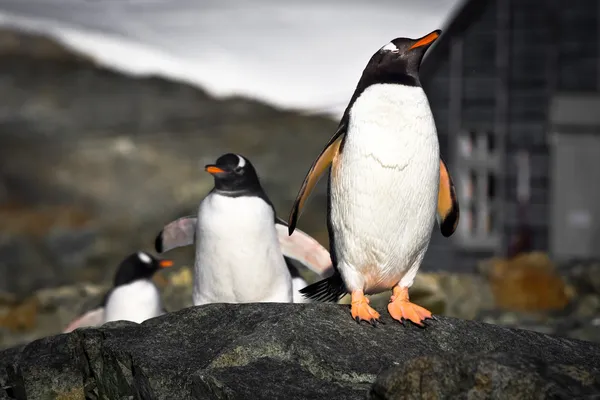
(238, 257)
(136, 301)
(384, 188)
(297, 284)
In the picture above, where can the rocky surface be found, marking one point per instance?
(563, 300)
(266, 351)
(465, 296)
(48, 311)
(526, 282)
(485, 376)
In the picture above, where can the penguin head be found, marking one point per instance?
(401, 56)
(233, 173)
(140, 265)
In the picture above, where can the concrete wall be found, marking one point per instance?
(575, 171)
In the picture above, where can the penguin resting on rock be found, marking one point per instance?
(133, 297)
(241, 246)
(386, 184)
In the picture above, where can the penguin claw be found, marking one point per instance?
(361, 311)
(373, 322)
(401, 309)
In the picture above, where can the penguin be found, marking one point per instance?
(241, 245)
(387, 186)
(133, 297)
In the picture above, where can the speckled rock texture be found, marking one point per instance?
(297, 351)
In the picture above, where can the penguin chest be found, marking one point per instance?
(136, 301)
(238, 257)
(384, 185)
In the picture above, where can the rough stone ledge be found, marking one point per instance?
(297, 351)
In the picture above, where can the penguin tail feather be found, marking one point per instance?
(331, 289)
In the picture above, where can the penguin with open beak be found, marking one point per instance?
(387, 184)
(133, 297)
(241, 246)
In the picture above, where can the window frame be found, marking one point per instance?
(480, 161)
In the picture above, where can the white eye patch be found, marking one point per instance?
(242, 161)
(145, 258)
(390, 47)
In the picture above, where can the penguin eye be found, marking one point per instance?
(238, 170)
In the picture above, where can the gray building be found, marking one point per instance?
(515, 90)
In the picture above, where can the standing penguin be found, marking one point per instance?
(133, 297)
(240, 243)
(385, 185)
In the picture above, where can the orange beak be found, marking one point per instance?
(165, 263)
(426, 40)
(211, 169)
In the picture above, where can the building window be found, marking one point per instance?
(477, 188)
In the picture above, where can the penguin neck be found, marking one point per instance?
(382, 77)
(238, 184)
(143, 284)
(389, 76)
(397, 105)
(245, 192)
(235, 192)
(129, 273)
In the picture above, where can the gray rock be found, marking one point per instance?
(584, 276)
(46, 313)
(494, 376)
(26, 256)
(587, 305)
(69, 247)
(467, 294)
(294, 351)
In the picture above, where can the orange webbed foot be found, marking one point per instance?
(401, 308)
(361, 309)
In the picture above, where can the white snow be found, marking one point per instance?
(303, 54)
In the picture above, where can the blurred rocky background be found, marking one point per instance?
(93, 163)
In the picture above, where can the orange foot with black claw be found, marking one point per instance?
(401, 308)
(361, 309)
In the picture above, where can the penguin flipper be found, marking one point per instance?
(447, 208)
(303, 248)
(179, 233)
(330, 289)
(314, 173)
(93, 317)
